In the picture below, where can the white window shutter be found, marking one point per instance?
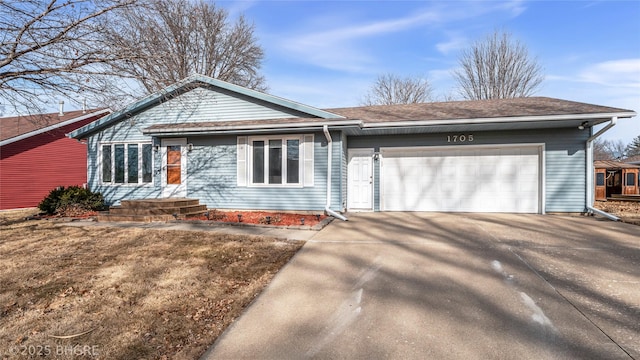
(242, 160)
(308, 160)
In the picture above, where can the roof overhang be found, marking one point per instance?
(98, 113)
(577, 121)
(239, 128)
(357, 127)
(593, 119)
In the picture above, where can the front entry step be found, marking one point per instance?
(149, 210)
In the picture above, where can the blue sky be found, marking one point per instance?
(328, 53)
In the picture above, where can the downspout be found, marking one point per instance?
(590, 187)
(327, 207)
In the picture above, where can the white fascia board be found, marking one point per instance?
(519, 119)
(250, 128)
(52, 127)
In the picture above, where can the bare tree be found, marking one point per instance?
(498, 67)
(53, 48)
(392, 89)
(608, 149)
(176, 38)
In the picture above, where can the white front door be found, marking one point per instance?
(174, 167)
(360, 180)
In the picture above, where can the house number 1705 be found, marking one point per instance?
(459, 138)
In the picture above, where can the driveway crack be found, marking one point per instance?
(569, 301)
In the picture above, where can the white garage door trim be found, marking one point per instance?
(539, 148)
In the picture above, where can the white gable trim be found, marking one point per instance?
(180, 86)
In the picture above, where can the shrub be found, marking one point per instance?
(71, 201)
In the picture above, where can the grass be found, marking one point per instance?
(136, 293)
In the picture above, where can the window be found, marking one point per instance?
(132, 161)
(293, 161)
(631, 179)
(600, 179)
(106, 163)
(276, 160)
(258, 162)
(126, 163)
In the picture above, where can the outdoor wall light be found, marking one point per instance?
(376, 156)
(156, 148)
(583, 125)
(189, 147)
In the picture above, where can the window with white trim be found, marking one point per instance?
(285, 160)
(126, 163)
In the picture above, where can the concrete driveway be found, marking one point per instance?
(450, 286)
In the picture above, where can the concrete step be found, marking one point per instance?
(148, 210)
(158, 203)
(136, 218)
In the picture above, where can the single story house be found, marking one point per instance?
(36, 156)
(236, 148)
(616, 178)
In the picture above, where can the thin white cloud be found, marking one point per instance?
(337, 49)
(515, 7)
(612, 83)
(341, 47)
(453, 43)
(237, 8)
(354, 32)
(624, 72)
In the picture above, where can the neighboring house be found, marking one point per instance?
(634, 160)
(235, 148)
(36, 156)
(615, 178)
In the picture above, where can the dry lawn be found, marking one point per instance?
(627, 211)
(138, 294)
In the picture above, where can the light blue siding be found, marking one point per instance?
(212, 178)
(114, 193)
(200, 105)
(212, 164)
(565, 167)
(197, 105)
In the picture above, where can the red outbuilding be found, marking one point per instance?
(36, 156)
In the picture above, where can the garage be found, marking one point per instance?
(504, 178)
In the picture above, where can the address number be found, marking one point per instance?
(459, 138)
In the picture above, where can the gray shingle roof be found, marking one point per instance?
(503, 109)
(612, 164)
(478, 109)
(13, 126)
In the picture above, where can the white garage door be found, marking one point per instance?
(470, 179)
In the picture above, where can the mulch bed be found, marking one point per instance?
(262, 218)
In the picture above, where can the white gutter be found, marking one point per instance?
(590, 187)
(513, 119)
(327, 207)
